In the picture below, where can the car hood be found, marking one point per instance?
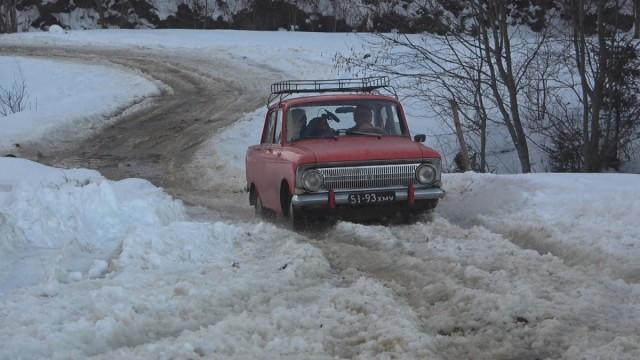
(364, 148)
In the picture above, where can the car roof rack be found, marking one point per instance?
(285, 88)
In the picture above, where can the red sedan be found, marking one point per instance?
(345, 155)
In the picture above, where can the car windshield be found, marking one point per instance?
(348, 118)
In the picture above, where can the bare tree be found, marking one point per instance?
(600, 57)
(101, 7)
(497, 50)
(591, 95)
(636, 11)
(13, 99)
(203, 11)
(593, 130)
(479, 67)
(8, 18)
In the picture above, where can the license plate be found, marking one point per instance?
(366, 198)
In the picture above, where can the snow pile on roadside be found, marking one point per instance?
(63, 225)
(61, 96)
(586, 219)
(145, 282)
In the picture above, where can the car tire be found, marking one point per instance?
(408, 217)
(296, 217)
(259, 208)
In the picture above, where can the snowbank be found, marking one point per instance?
(63, 225)
(65, 98)
(107, 268)
(585, 219)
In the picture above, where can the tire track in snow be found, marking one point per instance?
(157, 141)
(483, 297)
(588, 260)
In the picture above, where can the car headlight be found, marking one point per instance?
(312, 180)
(426, 174)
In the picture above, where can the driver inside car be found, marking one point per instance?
(319, 127)
(363, 118)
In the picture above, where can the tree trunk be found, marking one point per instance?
(8, 18)
(598, 93)
(466, 164)
(500, 56)
(482, 113)
(636, 30)
(579, 43)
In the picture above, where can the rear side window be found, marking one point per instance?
(267, 135)
(278, 129)
(273, 128)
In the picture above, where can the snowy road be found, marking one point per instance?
(156, 141)
(443, 289)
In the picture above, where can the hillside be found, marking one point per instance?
(435, 16)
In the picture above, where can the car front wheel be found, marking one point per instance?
(259, 208)
(296, 217)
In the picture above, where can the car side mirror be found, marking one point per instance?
(420, 138)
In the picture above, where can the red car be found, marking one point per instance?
(346, 155)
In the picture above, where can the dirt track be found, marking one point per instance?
(155, 140)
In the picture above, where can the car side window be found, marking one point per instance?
(278, 124)
(267, 136)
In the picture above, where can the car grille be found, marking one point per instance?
(360, 177)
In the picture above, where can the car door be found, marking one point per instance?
(272, 163)
(263, 160)
(256, 155)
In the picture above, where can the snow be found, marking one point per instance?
(151, 275)
(307, 54)
(586, 219)
(484, 295)
(157, 285)
(57, 29)
(66, 98)
(61, 225)
(511, 266)
(223, 156)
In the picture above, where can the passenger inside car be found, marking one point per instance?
(296, 124)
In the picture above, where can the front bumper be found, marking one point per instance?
(322, 199)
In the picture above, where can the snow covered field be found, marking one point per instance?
(64, 98)
(520, 266)
(116, 269)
